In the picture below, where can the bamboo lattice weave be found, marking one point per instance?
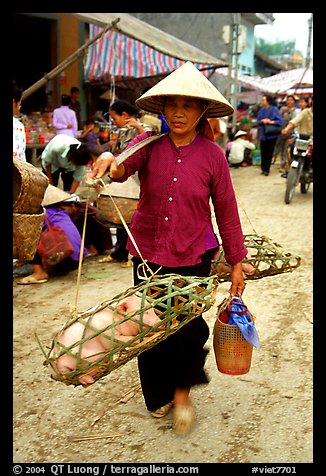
(265, 255)
(176, 300)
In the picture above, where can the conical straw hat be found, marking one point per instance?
(185, 81)
(54, 195)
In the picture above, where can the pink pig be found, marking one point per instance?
(99, 346)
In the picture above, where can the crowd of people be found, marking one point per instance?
(175, 180)
(126, 118)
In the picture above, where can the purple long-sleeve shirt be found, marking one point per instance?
(173, 218)
(62, 116)
(59, 217)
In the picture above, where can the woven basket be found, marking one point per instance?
(29, 185)
(26, 234)
(176, 300)
(265, 255)
(233, 353)
(127, 206)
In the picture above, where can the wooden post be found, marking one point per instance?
(64, 64)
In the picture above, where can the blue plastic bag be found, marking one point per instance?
(238, 314)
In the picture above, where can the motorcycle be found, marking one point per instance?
(300, 168)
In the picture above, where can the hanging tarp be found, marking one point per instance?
(255, 83)
(153, 37)
(291, 79)
(125, 58)
(299, 81)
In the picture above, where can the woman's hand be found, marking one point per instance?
(238, 285)
(132, 122)
(106, 162)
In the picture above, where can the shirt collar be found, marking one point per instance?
(181, 147)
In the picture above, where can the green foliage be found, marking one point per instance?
(276, 48)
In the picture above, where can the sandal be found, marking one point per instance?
(127, 264)
(162, 411)
(183, 418)
(91, 254)
(107, 259)
(32, 280)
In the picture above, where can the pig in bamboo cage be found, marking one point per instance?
(93, 343)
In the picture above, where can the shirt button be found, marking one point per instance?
(179, 161)
(170, 199)
(175, 179)
(166, 218)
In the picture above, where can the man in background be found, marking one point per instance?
(75, 105)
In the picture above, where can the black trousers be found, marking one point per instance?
(267, 151)
(67, 178)
(120, 252)
(178, 361)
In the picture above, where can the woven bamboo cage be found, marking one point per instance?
(265, 255)
(26, 234)
(175, 299)
(29, 185)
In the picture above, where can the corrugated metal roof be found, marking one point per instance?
(153, 37)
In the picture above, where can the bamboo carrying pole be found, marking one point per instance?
(72, 58)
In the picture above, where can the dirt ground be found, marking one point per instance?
(264, 416)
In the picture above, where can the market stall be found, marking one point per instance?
(135, 54)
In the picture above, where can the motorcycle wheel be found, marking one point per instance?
(291, 182)
(304, 187)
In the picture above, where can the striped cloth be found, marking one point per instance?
(118, 55)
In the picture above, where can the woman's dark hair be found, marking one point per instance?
(65, 100)
(270, 99)
(202, 120)
(17, 92)
(120, 106)
(79, 155)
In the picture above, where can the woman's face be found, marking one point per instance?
(119, 121)
(290, 102)
(264, 101)
(182, 113)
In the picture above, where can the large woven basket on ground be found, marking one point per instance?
(176, 300)
(127, 206)
(265, 255)
(29, 185)
(26, 234)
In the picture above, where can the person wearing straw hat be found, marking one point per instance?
(172, 226)
(57, 216)
(240, 150)
(98, 237)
